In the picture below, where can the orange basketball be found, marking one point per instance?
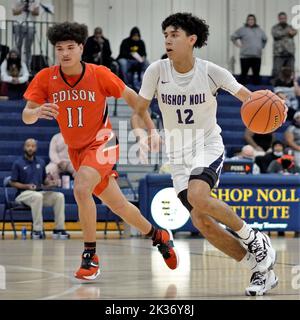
(263, 112)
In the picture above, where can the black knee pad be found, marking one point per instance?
(184, 200)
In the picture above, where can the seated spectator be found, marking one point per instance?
(284, 165)
(29, 177)
(14, 76)
(247, 153)
(260, 142)
(285, 78)
(288, 86)
(59, 158)
(132, 57)
(97, 49)
(291, 111)
(264, 161)
(292, 137)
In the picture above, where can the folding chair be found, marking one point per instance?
(11, 206)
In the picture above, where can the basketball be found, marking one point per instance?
(263, 112)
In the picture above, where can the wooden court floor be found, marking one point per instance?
(133, 269)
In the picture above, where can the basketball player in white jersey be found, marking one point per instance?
(186, 89)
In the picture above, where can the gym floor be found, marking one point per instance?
(132, 269)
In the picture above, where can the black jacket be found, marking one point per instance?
(264, 161)
(92, 47)
(129, 46)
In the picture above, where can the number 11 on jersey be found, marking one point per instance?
(71, 116)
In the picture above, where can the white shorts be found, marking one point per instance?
(212, 158)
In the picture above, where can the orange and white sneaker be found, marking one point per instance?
(89, 270)
(165, 244)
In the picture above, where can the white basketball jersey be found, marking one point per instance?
(190, 110)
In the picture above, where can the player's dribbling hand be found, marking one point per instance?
(47, 111)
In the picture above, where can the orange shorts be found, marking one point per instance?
(100, 157)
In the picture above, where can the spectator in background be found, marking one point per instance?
(286, 87)
(132, 57)
(291, 111)
(25, 12)
(247, 153)
(3, 52)
(283, 45)
(251, 40)
(284, 165)
(292, 137)
(14, 76)
(264, 161)
(59, 158)
(29, 177)
(260, 142)
(97, 49)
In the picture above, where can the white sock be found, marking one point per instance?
(246, 233)
(249, 261)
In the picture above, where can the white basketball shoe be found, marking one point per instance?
(261, 283)
(263, 252)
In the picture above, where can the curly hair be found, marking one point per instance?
(68, 31)
(190, 24)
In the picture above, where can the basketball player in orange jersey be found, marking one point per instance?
(74, 93)
(186, 89)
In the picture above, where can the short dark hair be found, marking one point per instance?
(190, 24)
(276, 142)
(67, 31)
(282, 14)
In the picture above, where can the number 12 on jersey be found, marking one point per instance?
(188, 119)
(72, 114)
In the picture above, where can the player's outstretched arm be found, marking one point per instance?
(130, 97)
(141, 115)
(243, 94)
(34, 111)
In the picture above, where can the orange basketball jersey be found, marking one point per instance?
(82, 105)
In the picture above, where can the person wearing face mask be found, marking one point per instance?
(292, 137)
(283, 45)
(284, 165)
(264, 161)
(251, 40)
(14, 76)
